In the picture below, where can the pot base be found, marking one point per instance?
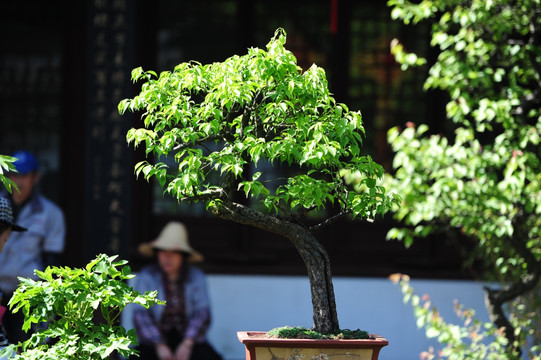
(260, 347)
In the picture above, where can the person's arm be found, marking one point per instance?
(198, 325)
(199, 306)
(146, 328)
(164, 353)
(184, 349)
(145, 325)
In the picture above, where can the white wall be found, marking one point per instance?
(244, 303)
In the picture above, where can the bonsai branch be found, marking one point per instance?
(212, 194)
(329, 220)
(201, 141)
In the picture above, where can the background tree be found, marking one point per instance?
(484, 181)
(227, 126)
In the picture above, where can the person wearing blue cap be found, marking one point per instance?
(34, 249)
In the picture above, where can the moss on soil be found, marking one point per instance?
(299, 332)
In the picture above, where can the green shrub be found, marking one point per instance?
(76, 312)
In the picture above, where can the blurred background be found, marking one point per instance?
(65, 65)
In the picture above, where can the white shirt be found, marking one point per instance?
(23, 251)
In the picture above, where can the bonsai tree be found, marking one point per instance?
(482, 182)
(81, 308)
(227, 124)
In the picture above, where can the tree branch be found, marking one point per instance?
(495, 298)
(198, 142)
(329, 221)
(208, 195)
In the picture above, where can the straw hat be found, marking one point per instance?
(173, 237)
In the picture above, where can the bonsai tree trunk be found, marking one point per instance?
(314, 255)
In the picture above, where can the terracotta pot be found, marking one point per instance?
(260, 347)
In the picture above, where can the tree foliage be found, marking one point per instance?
(472, 339)
(229, 125)
(217, 119)
(6, 165)
(81, 309)
(484, 181)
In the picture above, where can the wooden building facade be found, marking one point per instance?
(65, 65)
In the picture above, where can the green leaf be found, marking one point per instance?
(476, 177)
(66, 298)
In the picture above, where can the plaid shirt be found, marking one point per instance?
(192, 324)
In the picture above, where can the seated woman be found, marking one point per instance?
(176, 331)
